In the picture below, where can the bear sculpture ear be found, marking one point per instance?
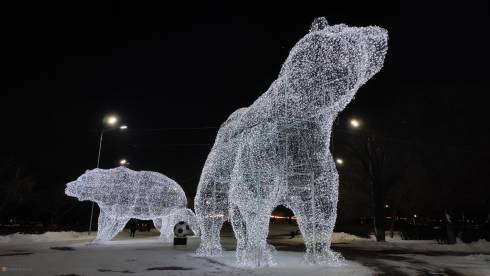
(318, 24)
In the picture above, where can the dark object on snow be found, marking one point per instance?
(471, 232)
(170, 268)
(63, 248)
(133, 225)
(180, 241)
(15, 254)
(422, 231)
(451, 237)
(486, 229)
(441, 234)
(110, 270)
(294, 233)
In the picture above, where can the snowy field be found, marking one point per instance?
(69, 253)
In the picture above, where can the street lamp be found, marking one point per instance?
(110, 122)
(339, 161)
(355, 123)
(123, 162)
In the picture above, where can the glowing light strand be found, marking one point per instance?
(276, 151)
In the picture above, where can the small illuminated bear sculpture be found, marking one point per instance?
(123, 194)
(276, 151)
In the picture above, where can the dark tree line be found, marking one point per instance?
(15, 187)
(417, 156)
(23, 197)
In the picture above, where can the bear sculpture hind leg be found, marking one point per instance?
(240, 230)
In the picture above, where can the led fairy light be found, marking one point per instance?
(276, 151)
(123, 194)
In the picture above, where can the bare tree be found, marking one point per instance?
(380, 170)
(14, 187)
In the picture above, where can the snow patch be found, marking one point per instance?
(345, 237)
(45, 237)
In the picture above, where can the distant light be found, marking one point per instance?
(339, 161)
(387, 205)
(112, 120)
(123, 162)
(355, 123)
(123, 127)
(414, 215)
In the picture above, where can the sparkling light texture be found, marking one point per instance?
(276, 151)
(123, 194)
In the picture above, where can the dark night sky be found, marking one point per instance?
(173, 74)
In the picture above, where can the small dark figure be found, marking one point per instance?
(486, 231)
(133, 225)
(451, 237)
(294, 233)
(148, 225)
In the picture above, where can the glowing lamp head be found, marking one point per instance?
(123, 162)
(111, 120)
(339, 161)
(355, 123)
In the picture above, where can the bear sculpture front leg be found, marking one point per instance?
(210, 226)
(108, 227)
(316, 211)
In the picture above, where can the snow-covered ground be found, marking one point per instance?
(69, 253)
(46, 237)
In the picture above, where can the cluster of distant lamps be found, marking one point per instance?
(111, 122)
(354, 123)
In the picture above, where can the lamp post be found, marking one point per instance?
(109, 123)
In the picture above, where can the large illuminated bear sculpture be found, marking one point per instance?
(123, 194)
(276, 151)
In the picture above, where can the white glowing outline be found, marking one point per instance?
(276, 151)
(123, 194)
